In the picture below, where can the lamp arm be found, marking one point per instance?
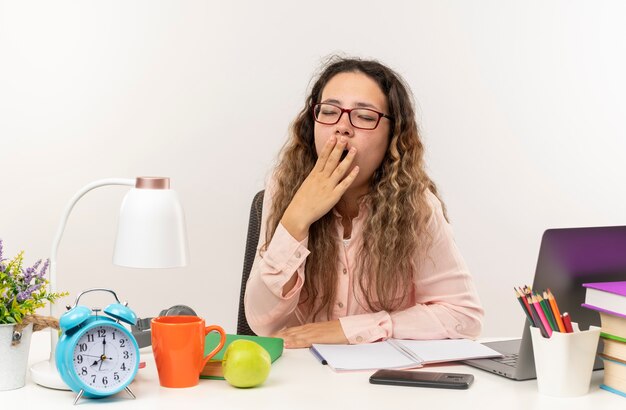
(54, 308)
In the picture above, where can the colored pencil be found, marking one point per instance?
(542, 315)
(546, 311)
(567, 321)
(523, 295)
(549, 312)
(537, 318)
(555, 310)
(525, 306)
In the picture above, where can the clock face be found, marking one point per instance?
(104, 358)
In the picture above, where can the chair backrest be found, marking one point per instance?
(252, 241)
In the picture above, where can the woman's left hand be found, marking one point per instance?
(305, 335)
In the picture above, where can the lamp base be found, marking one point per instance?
(46, 375)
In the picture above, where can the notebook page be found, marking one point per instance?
(432, 351)
(369, 356)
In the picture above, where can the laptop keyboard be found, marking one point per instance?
(509, 359)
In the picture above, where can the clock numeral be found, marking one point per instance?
(122, 342)
(102, 332)
(79, 359)
(113, 335)
(126, 355)
(123, 366)
(83, 347)
(83, 371)
(116, 376)
(90, 337)
(93, 378)
(105, 381)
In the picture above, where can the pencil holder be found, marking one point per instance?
(564, 362)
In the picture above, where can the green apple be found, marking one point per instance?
(246, 363)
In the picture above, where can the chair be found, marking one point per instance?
(252, 241)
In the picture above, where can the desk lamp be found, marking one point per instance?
(151, 234)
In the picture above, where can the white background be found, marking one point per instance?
(521, 105)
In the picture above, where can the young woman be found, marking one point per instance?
(355, 245)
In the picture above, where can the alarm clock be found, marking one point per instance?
(97, 356)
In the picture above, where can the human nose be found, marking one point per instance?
(344, 126)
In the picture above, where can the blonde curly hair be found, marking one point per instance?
(398, 208)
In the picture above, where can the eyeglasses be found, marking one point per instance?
(361, 118)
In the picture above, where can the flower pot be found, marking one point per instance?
(13, 358)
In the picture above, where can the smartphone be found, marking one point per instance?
(422, 379)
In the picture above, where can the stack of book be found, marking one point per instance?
(609, 299)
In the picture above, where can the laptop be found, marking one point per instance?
(567, 259)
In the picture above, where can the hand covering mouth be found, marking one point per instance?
(343, 154)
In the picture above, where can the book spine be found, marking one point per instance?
(588, 306)
(612, 390)
(616, 288)
(612, 359)
(612, 337)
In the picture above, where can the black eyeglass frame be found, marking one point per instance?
(348, 111)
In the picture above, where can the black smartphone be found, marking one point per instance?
(422, 379)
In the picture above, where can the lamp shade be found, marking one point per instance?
(151, 231)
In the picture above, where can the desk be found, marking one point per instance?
(298, 381)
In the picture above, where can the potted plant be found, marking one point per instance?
(22, 292)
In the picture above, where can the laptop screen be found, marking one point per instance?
(573, 256)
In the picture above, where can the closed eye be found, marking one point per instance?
(367, 117)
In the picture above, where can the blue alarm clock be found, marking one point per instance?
(96, 355)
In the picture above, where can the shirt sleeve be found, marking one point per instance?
(447, 303)
(267, 309)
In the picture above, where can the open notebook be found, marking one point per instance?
(399, 354)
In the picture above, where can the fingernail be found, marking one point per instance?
(352, 150)
(342, 140)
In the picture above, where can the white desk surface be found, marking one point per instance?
(298, 381)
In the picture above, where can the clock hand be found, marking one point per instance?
(103, 357)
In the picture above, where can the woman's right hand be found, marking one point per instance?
(322, 188)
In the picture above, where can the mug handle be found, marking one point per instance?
(207, 330)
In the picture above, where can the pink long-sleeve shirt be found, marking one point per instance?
(442, 303)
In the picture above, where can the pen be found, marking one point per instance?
(555, 310)
(317, 355)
